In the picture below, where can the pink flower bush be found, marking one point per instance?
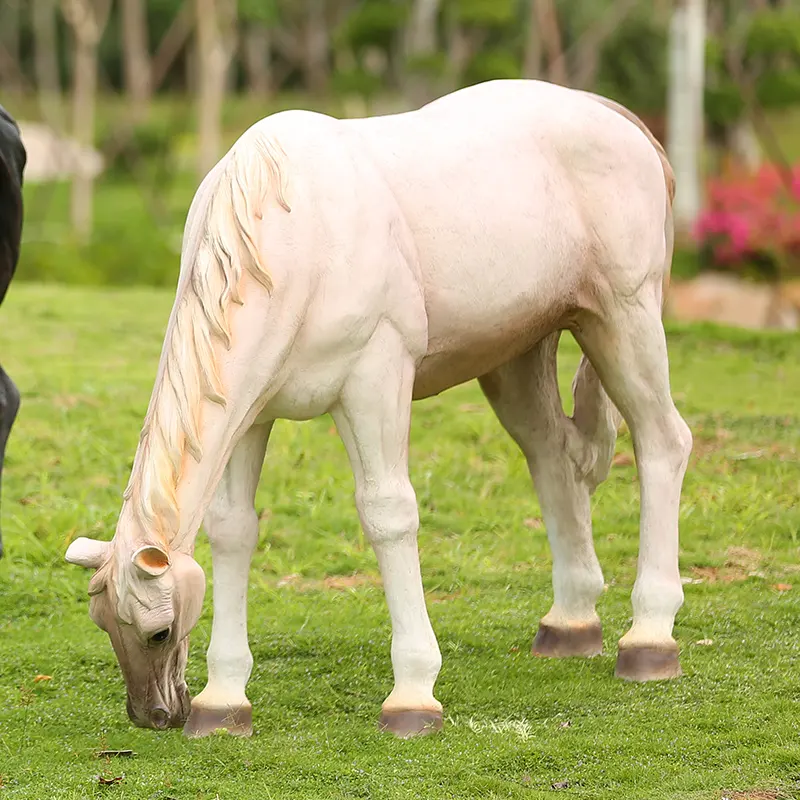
(752, 221)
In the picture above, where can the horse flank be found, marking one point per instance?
(200, 321)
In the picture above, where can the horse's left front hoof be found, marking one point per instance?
(408, 723)
(648, 663)
(583, 641)
(204, 721)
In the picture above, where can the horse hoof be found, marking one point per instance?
(204, 721)
(409, 723)
(648, 663)
(579, 640)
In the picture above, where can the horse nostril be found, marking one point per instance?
(159, 717)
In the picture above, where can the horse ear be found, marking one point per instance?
(152, 560)
(89, 553)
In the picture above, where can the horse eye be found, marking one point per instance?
(161, 636)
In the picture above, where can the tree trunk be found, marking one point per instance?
(420, 44)
(744, 144)
(316, 46)
(83, 109)
(214, 24)
(687, 42)
(10, 30)
(87, 18)
(172, 42)
(48, 78)
(258, 59)
(532, 58)
(590, 44)
(136, 54)
(547, 19)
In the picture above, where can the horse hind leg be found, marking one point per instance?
(627, 346)
(567, 458)
(9, 406)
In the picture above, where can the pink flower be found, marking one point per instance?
(751, 216)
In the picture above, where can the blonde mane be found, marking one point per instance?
(189, 372)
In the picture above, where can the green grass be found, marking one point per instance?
(85, 361)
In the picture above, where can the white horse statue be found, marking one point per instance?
(350, 267)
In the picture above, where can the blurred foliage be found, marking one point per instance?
(765, 48)
(366, 53)
(633, 64)
(149, 179)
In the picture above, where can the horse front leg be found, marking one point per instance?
(373, 418)
(232, 526)
(9, 406)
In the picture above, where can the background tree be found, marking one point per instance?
(87, 20)
(136, 54)
(215, 24)
(687, 43)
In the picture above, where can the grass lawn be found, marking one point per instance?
(516, 726)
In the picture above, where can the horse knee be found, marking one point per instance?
(388, 513)
(231, 525)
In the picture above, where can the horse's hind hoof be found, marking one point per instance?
(648, 663)
(409, 723)
(204, 721)
(579, 640)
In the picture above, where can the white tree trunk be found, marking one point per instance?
(83, 109)
(687, 45)
(87, 18)
(136, 55)
(316, 46)
(257, 47)
(10, 31)
(45, 47)
(744, 144)
(532, 58)
(420, 42)
(215, 19)
(550, 31)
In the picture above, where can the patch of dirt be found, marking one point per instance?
(740, 563)
(345, 582)
(706, 444)
(743, 557)
(338, 583)
(755, 794)
(718, 574)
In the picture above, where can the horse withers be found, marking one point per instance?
(350, 267)
(12, 165)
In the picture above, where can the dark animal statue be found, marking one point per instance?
(12, 164)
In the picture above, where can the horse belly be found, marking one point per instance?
(470, 341)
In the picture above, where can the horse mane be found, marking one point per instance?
(219, 247)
